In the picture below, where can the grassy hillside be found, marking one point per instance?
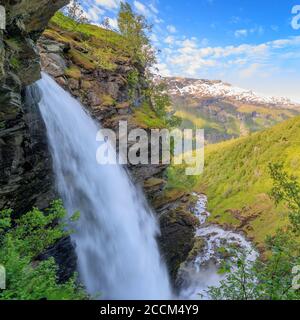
(237, 182)
(226, 119)
(92, 47)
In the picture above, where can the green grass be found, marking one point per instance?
(91, 47)
(65, 23)
(145, 117)
(222, 120)
(237, 182)
(73, 72)
(96, 36)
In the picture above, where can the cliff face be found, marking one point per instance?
(25, 163)
(25, 175)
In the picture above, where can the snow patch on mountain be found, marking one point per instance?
(220, 89)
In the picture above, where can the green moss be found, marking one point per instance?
(107, 100)
(73, 72)
(15, 63)
(54, 35)
(145, 117)
(199, 245)
(81, 59)
(13, 44)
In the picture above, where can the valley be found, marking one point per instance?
(225, 111)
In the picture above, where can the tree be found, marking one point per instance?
(273, 278)
(106, 23)
(287, 189)
(134, 28)
(75, 11)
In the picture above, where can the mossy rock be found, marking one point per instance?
(86, 85)
(54, 35)
(81, 60)
(146, 118)
(199, 245)
(73, 72)
(107, 100)
(153, 182)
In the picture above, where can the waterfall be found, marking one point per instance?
(118, 256)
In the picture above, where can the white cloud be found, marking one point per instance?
(241, 33)
(148, 11)
(154, 38)
(141, 8)
(109, 4)
(250, 70)
(163, 70)
(259, 30)
(171, 29)
(169, 40)
(113, 22)
(188, 58)
(153, 8)
(94, 13)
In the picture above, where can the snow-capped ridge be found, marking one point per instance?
(219, 89)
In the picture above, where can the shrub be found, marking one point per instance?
(21, 242)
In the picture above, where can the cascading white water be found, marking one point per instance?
(115, 238)
(202, 273)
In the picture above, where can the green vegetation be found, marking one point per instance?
(15, 63)
(272, 279)
(145, 117)
(178, 180)
(21, 242)
(223, 120)
(133, 29)
(237, 181)
(92, 47)
(73, 72)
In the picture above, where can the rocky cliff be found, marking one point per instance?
(25, 175)
(25, 163)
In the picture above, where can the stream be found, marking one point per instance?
(203, 271)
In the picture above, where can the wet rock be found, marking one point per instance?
(65, 257)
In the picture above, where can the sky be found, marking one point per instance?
(248, 43)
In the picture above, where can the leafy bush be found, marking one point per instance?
(21, 242)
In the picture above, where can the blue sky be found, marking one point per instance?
(249, 43)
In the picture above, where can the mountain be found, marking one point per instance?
(225, 111)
